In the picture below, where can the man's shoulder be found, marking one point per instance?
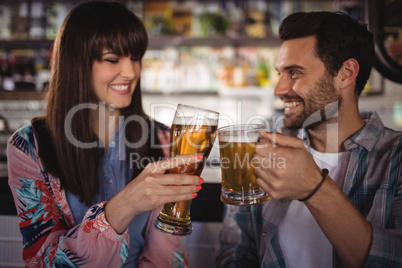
(392, 137)
(384, 135)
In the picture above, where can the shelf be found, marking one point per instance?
(34, 95)
(159, 42)
(26, 44)
(22, 95)
(250, 92)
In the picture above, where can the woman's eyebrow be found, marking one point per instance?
(107, 52)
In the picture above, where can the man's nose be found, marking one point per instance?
(283, 86)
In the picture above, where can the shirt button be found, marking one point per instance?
(109, 180)
(348, 144)
(264, 234)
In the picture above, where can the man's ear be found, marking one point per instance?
(347, 74)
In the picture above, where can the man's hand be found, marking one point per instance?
(284, 167)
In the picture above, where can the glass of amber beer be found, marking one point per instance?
(237, 147)
(193, 131)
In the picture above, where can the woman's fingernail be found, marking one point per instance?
(199, 187)
(200, 156)
(194, 194)
(201, 180)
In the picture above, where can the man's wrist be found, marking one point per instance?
(324, 176)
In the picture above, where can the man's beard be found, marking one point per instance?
(320, 104)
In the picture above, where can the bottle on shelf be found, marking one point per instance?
(262, 73)
(8, 63)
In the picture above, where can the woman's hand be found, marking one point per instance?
(151, 189)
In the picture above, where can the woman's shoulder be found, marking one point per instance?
(24, 139)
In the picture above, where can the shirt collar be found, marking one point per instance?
(114, 143)
(369, 134)
(366, 137)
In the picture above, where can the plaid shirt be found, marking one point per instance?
(373, 183)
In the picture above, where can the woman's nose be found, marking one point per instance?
(128, 69)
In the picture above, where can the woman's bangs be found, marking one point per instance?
(130, 40)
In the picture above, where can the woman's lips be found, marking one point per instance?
(121, 89)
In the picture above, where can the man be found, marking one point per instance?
(349, 217)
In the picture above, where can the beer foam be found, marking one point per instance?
(197, 120)
(238, 136)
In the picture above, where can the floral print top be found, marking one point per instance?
(52, 238)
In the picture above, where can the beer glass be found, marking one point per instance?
(237, 147)
(193, 131)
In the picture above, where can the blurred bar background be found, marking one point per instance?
(213, 54)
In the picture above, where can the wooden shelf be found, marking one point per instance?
(155, 42)
(22, 95)
(159, 42)
(26, 44)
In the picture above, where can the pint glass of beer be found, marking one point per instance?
(237, 147)
(193, 131)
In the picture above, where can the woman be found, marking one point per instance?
(71, 170)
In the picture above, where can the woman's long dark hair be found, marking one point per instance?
(87, 30)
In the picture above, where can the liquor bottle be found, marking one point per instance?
(8, 83)
(262, 73)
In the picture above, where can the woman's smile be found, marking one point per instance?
(115, 78)
(120, 89)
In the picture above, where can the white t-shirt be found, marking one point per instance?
(302, 242)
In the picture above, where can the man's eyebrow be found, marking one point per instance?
(291, 67)
(294, 66)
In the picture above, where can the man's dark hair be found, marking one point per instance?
(339, 38)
